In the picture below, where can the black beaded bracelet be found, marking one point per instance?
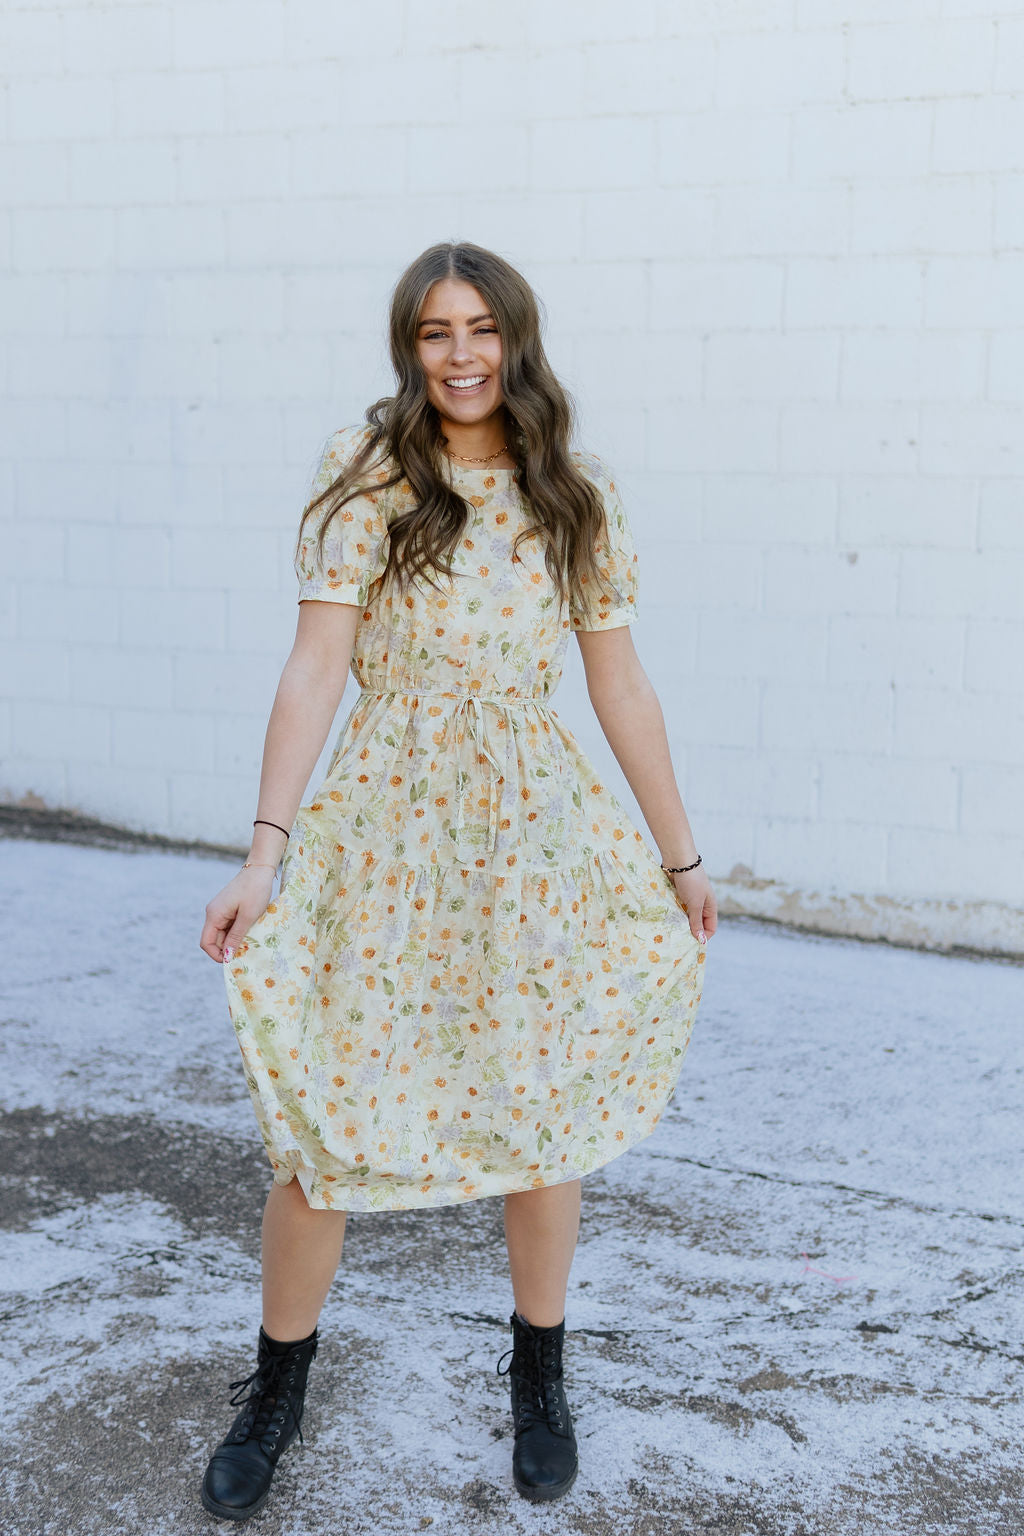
(680, 869)
(270, 824)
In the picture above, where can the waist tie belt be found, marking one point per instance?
(468, 715)
(471, 710)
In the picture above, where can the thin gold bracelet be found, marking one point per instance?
(257, 864)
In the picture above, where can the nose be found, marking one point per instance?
(459, 351)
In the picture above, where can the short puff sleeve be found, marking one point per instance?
(355, 551)
(615, 604)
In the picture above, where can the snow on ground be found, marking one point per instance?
(795, 1309)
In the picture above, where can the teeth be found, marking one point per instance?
(465, 383)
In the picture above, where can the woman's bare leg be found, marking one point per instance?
(301, 1251)
(541, 1227)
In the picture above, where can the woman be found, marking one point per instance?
(476, 978)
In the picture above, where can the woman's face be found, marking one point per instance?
(460, 349)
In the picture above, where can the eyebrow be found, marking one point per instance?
(473, 321)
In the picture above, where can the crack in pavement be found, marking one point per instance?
(874, 1196)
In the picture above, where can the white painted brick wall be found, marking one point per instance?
(781, 245)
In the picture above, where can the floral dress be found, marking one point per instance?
(475, 978)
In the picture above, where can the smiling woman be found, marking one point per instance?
(458, 340)
(478, 978)
(462, 313)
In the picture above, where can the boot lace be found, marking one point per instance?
(266, 1412)
(535, 1369)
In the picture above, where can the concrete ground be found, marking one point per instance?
(795, 1308)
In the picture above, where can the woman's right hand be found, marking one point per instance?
(232, 912)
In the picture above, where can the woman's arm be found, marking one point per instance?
(630, 716)
(308, 694)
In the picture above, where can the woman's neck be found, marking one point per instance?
(483, 443)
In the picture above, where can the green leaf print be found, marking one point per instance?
(493, 1069)
(388, 985)
(544, 1136)
(582, 1091)
(450, 1037)
(541, 991)
(318, 1050)
(268, 1022)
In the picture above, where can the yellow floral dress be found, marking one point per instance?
(475, 978)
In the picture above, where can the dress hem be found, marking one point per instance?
(430, 1201)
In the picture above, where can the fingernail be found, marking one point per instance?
(228, 953)
(703, 937)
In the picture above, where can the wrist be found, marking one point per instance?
(267, 846)
(679, 854)
(686, 868)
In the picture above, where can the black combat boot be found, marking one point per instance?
(544, 1462)
(237, 1481)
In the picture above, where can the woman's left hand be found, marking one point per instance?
(695, 896)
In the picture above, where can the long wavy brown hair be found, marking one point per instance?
(407, 440)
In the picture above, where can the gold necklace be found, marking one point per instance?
(466, 458)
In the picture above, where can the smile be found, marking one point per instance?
(467, 386)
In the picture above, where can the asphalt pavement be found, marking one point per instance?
(795, 1309)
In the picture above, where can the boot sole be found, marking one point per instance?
(233, 1512)
(544, 1494)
